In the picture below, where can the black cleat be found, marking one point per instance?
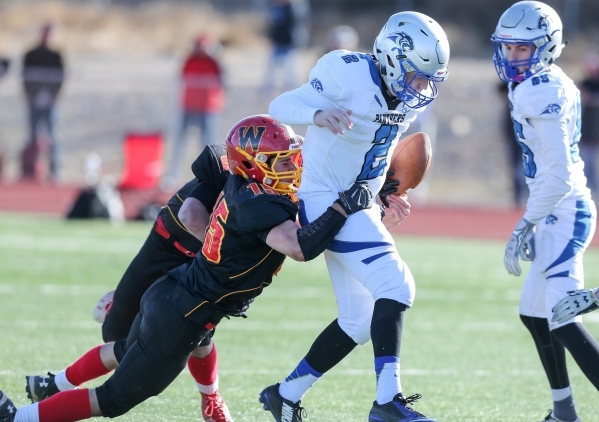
(40, 387)
(8, 410)
(281, 409)
(397, 410)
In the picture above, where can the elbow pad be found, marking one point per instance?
(316, 236)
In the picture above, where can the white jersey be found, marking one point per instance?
(333, 162)
(546, 116)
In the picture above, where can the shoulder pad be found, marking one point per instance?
(541, 97)
(212, 166)
(262, 212)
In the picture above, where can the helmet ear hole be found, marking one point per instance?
(246, 164)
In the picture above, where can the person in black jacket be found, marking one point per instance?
(43, 76)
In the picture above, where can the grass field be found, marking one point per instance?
(464, 348)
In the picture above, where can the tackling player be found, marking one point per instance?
(176, 236)
(356, 106)
(545, 108)
(251, 230)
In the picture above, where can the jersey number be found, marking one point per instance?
(215, 231)
(375, 160)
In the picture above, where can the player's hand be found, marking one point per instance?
(514, 246)
(334, 120)
(357, 197)
(389, 187)
(397, 210)
(527, 250)
(577, 302)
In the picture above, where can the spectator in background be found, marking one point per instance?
(288, 29)
(3, 69)
(342, 37)
(589, 140)
(517, 179)
(203, 98)
(43, 76)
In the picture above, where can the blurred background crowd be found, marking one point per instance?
(78, 78)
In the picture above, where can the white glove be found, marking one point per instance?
(527, 250)
(577, 302)
(514, 248)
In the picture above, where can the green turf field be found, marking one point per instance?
(464, 348)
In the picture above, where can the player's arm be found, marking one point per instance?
(309, 241)
(195, 210)
(195, 217)
(318, 102)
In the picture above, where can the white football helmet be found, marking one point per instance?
(412, 42)
(527, 22)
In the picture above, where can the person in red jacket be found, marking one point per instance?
(202, 100)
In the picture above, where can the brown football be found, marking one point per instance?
(410, 161)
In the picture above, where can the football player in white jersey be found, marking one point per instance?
(560, 217)
(356, 107)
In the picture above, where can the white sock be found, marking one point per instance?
(62, 382)
(29, 413)
(297, 384)
(208, 389)
(561, 394)
(388, 383)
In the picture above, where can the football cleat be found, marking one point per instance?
(281, 409)
(40, 387)
(397, 410)
(103, 307)
(8, 410)
(214, 408)
(551, 418)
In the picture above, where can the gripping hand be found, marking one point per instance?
(514, 247)
(577, 302)
(357, 197)
(389, 187)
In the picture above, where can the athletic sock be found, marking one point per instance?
(297, 384)
(564, 409)
(68, 406)
(205, 371)
(61, 381)
(86, 368)
(29, 413)
(387, 378)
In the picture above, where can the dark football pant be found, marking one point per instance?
(153, 260)
(156, 351)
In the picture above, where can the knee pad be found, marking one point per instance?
(358, 330)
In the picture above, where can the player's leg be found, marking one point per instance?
(203, 366)
(153, 259)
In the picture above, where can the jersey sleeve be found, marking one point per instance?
(211, 166)
(323, 91)
(206, 194)
(262, 213)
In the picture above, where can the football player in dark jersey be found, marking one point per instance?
(169, 244)
(251, 230)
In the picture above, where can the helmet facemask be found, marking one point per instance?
(507, 70)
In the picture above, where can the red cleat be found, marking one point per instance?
(214, 408)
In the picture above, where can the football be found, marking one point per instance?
(410, 161)
(103, 306)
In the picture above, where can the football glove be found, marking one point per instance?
(357, 197)
(389, 187)
(514, 247)
(577, 302)
(527, 251)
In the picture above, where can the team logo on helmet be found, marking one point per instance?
(317, 85)
(252, 135)
(552, 109)
(543, 23)
(403, 41)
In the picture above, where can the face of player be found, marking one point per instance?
(418, 83)
(283, 165)
(520, 54)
